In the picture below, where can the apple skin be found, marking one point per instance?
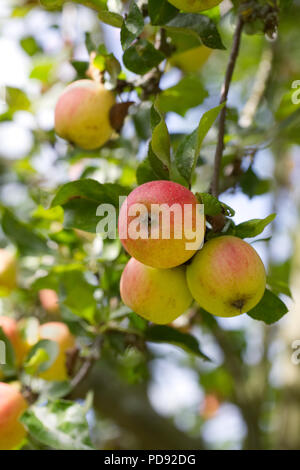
(194, 6)
(11, 330)
(192, 59)
(59, 332)
(49, 300)
(12, 406)
(158, 295)
(82, 114)
(8, 271)
(160, 253)
(227, 277)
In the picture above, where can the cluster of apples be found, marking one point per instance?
(12, 402)
(224, 275)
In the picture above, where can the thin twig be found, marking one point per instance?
(87, 364)
(223, 99)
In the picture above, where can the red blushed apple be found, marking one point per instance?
(161, 224)
(227, 277)
(12, 406)
(82, 114)
(159, 295)
(49, 300)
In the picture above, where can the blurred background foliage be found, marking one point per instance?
(152, 388)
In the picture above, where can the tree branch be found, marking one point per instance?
(224, 95)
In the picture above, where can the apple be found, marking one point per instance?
(191, 60)
(82, 114)
(11, 330)
(8, 271)
(194, 6)
(59, 332)
(49, 300)
(159, 295)
(142, 227)
(227, 277)
(12, 406)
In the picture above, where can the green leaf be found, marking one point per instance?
(212, 206)
(145, 172)
(111, 18)
(160, 142)
(279, 286)
(252, 228)
(161, 11)
(142, 56)
(23, 235)
(75, 292)
(60, 425)
(270, 309)
(132, 26)
(80, 200)
(167, 334)
(199, 26)
(188, 151)
(41, 357)
(187, 94)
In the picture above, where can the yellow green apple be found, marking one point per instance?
(194, 6)
(191, 60)
(8, 271)
(59, 332)
(227, 277)
(159, 295)
(82, 114)
(12, 406)
(161, 224)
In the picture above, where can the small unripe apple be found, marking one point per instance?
(59, 332)
(192, 59)
(194, 6)
(159, 295)
(11, 331)
(12, 406)
(49, 300)
(148, 211)
(82, 114)
(227, 277)
(8, 271)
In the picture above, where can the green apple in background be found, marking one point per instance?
(159, 295)
(82, 114)
(227, 277)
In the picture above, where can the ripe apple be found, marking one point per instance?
(8, 271)
(82, 114)
(12, 406)
(59, 332)
(194, 6)
(49, 300)
(151, 243)
(191, 60)
(11, 330)
(159, 295)
(227, 277)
